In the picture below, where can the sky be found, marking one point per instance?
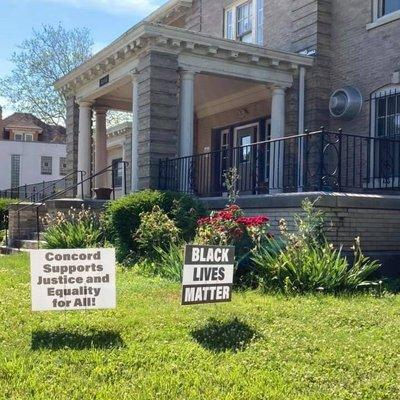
(106, 19)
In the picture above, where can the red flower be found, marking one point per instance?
(253, 221)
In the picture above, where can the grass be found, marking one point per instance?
(150, 347)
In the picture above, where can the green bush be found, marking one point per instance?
(4, 204)
(308, 268)
(304, 261)
(156, 231)
(122, 217)
(169, 264)
(76, 229)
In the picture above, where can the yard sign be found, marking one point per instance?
(76, 279)
(207, 274)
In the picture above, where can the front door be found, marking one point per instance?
(245, 148)
(245, 156)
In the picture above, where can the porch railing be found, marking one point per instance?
(34, 191)
(315, 161)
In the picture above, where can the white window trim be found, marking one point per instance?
(30, 135)
(385, 19)
(233, 8)
(385, 90)
(18, 134)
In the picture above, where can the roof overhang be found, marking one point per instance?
(179, 41)
(171, 10)
(24, 127)
(119, 129)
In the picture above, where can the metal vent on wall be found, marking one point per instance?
(345, 103)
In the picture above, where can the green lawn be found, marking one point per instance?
(257, 347)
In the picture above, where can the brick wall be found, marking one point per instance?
(311, 29)
(22, 227)
(360, 57)
(375, 219)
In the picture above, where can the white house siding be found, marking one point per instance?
(30, 164)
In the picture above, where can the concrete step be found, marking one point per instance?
(5, 250)
(34, 236)
(30, 244)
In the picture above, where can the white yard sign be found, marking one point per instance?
(76, 279)
(207, 274)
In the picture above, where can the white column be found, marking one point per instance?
(100, 150)
(186, 138)
(277, 147)
(135, 134)
(300, 160)
(123, 168)
(84, 148)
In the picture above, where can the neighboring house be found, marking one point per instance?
(215, 84)
(118, 141)
(31, 152)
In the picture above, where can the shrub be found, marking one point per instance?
(156, 231)
(122, 216)
(304, 261)
(73, 229)
(230, 227)
(169, 264)
(4, 204)
(2, 236)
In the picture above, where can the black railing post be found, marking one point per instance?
(160, 163)
(6, 222)
(322, 160)
(37, 227)
(82, 184)
(124, 172)
(19, 229)
(339, 158)
(113, 181)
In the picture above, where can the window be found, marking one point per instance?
(245, 144)
(244, 21)
(23, 137)
(387, 114)
(388, 7)
(385, 123)
(46, 165)
(15, 170)
(117, 172)
(63, 166)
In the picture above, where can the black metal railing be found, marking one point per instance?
(31, 194)
(315, 161)
(34, 191)
(78, 186)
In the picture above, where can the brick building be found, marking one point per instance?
(214, 84)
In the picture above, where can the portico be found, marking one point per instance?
(171, 80)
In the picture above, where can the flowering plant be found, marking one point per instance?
(230, 227)
(74, 229)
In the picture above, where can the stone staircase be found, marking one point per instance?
(24, 244)
(22, 232)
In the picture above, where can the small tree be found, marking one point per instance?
(51, 53)
(231, 178)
